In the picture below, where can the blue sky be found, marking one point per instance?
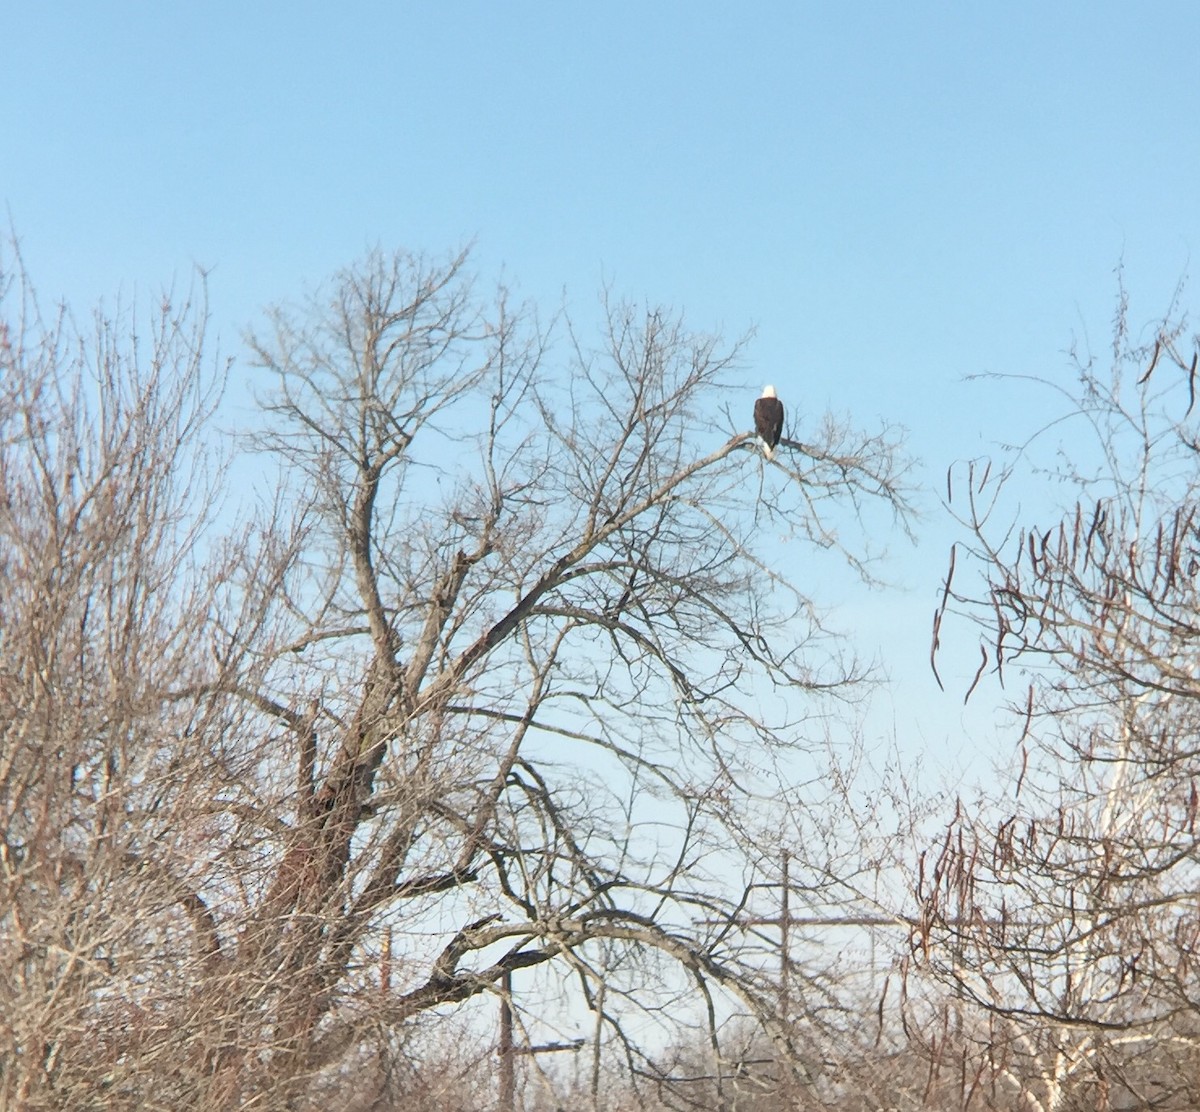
(894, 195)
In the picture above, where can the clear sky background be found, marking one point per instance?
(895, 196)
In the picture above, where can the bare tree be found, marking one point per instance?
(1064, 916)
(477, 704)
(106, 782)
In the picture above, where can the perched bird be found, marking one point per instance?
(768, 419)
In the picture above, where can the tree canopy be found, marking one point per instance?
(477, 692)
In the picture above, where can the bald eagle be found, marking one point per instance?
(768, 419)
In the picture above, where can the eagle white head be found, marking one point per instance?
(768, 392)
